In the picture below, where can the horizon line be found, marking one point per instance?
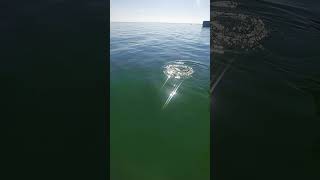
(155, 22)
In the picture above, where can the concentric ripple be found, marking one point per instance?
(234, 30)
(177, 72)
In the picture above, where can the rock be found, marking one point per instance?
(206, 24)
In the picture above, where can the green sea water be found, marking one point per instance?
(148, 141)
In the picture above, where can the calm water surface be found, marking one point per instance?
(148, 141)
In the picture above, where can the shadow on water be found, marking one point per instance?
(265, 86)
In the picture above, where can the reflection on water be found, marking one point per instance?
(265, 84)
(178, 71)
(146, 141)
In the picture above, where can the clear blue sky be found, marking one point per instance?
(173, 11)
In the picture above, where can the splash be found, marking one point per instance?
(177, 72)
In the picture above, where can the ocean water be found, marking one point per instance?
(266, 99)
(148, 139)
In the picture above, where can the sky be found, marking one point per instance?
(171, 11)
